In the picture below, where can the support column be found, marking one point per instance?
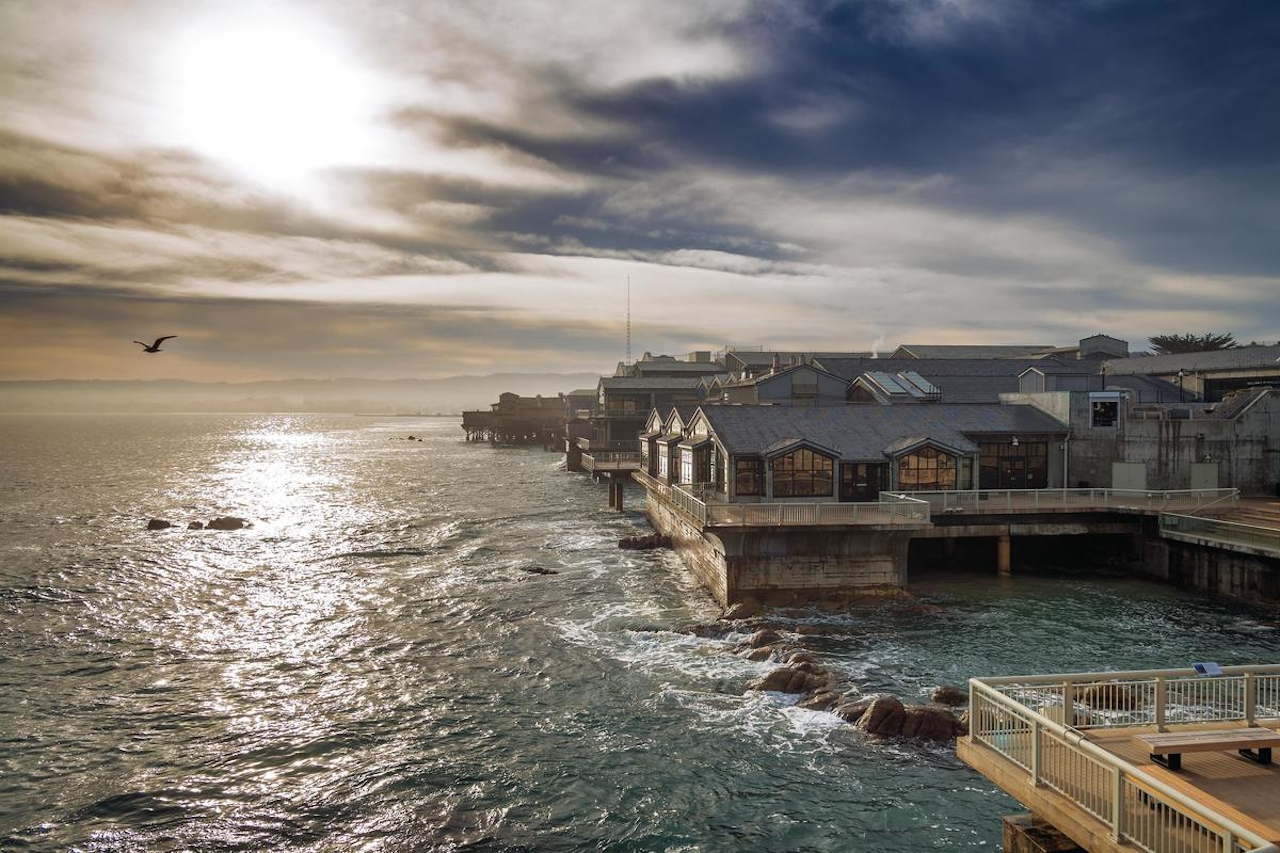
(620, 501)
(1004, 549)
(612, 496)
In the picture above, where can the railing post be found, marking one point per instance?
(1068, 704)
(1162, 690)
(1250, 699)
(1035, 753)
(1117, 804)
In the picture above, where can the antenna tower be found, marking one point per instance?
(628, 319)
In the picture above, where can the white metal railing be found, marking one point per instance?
(1223, 532)
(1031, 500)
(608, 460)
(891, 509)
(1036, 723)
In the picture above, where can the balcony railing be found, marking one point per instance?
(890, 510)
(1033, 500)
(605, 460)
(1266, 539)
(1036, 722)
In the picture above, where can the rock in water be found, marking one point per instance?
(929, 723)
(227, 522)
(195, 525)
(538, 570)
(823, 700)
(744, 609)
(789, 680)
(158, 524)
(884, 716)
(763, 637)
(949, 695)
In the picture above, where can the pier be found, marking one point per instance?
(796, 549)
(1079, 750)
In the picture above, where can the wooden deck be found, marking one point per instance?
(1236, 787)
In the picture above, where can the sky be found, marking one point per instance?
(384, 189)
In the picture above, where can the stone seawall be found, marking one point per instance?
(784, 566)
(1248, 577)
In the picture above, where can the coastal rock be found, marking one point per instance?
(1112, 697)
(801, 657)
(159, 524)
(884, 716)
(709, 632)
(195, 525)
(538, 570)
(761, 654)
(645, 542)
(763, 637)
(789, 680)
(962, 725)
(852, 711)
(744, 609)
(823, 700)
(925, 722)
(950, 695)
(227, 522)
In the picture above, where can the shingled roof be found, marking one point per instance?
(1240, 358)
(865, 433)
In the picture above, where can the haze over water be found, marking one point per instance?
(374, 666)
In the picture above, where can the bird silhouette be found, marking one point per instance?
(156, 346)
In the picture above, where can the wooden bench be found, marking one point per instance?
(1253, 743)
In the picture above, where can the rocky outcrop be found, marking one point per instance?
(195, 525)
(747, 608)
(159, 524)
(227, 522)
(823, 700)
(791, 679)
(537, 570)
(645, 542)
(930, 722)
(883, 716)
(1113, 696)
(950, 695)
(763, 637)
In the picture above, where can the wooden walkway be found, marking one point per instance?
(1262, 512)
(1235, 787)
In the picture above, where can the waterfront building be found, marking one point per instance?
(517, 420)
(797, 385)
(1208, 375)
(625, 402)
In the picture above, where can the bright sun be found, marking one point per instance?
(273, 97)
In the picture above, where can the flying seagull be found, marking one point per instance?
(156, 346)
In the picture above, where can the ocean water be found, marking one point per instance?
(433, 645)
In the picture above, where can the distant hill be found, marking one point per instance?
(383, 396)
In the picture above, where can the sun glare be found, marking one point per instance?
(273, 97)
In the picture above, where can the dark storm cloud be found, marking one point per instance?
(1157, 124)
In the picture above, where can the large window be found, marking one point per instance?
(802, 474)
(1104, 413)
(664, 460)
(686, 465)
(927, 469)
(748, 477)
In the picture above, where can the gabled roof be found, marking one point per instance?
(1241, 358)
(933, 369)
(650, 383)
(970, 350)
(765, 377)
(861, 433)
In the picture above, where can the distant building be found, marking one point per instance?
(1210, 375)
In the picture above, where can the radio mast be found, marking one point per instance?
(628, 319)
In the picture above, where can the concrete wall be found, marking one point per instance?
(1248, 577)
(783, 566)
(1246, 449)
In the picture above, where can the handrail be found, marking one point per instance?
(983, 693)
(1221, 531)
(954, 500)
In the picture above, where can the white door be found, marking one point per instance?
(1129, 475)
